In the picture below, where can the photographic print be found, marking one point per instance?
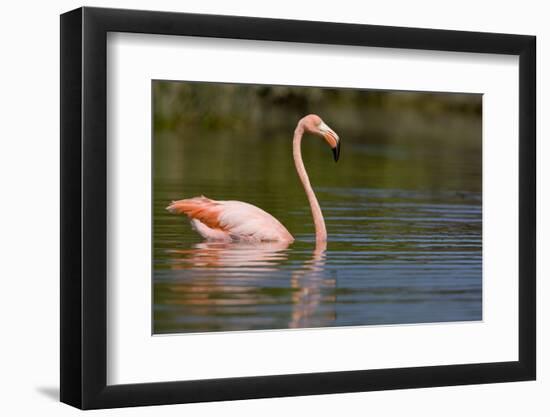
(305, 193)
(288, 207)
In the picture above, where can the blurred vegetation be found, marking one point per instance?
(381, 114)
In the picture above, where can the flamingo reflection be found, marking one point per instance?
(230, 279)
(232, 255)
(310, 308)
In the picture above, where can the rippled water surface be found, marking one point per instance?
(404, 220)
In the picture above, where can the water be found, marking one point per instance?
(403, 212)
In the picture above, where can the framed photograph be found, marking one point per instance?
(257, 208)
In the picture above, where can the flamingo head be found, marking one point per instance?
(315, 125)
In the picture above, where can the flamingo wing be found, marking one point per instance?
(230, 220)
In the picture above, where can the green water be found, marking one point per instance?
(403, 211)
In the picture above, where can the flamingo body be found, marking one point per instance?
(230, 220)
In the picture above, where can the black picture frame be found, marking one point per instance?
(84, 207)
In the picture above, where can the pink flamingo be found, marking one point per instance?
(239, 221)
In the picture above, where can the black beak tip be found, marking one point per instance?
(336, 152)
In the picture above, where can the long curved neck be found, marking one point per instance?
(318, 220)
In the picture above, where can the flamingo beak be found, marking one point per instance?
(336, 151)
(332, 139)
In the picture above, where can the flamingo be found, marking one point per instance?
(217, 220)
